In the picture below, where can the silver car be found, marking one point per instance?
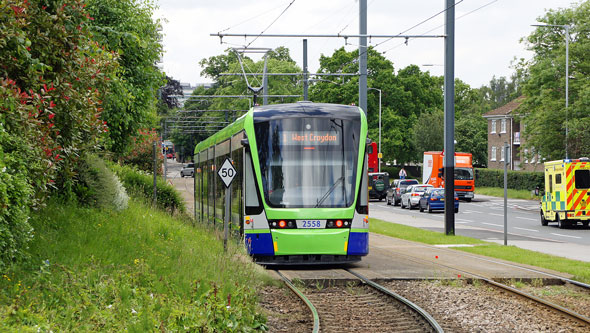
(188, 170)
(411, 198)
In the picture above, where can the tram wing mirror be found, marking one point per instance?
(245, 142)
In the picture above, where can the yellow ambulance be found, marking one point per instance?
(567, 192)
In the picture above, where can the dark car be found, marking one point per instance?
(434, 199)
(397, 188)
(378, 185)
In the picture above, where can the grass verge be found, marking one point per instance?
(579, 269)
(136, 270)
(511, 193)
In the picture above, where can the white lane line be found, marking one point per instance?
(497, 225)
(496, 214)
(526, 229)
(471, 212)
(566, 235)
(464, 220)
(526, 218)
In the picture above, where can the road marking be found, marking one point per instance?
(526, 229)
(497, 225)
(566, 235)
(464, 220)
(526, 218)
(496, 214)
(471, 211)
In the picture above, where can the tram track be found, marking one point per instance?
(585, 320)
(361, 305)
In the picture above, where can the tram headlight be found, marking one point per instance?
(282, 223)
(339, 223)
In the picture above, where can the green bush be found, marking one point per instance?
(142, 184)
(518, 180)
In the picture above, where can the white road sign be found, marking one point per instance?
(227, 172)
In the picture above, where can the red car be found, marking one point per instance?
(169, 155)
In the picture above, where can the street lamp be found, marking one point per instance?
(567, 42)
(379, 147)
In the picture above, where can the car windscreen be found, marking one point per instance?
(463, 174)
(308, 162)
(438, 193)
(406, 183)
(420, 189)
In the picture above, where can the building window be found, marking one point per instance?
(503, 126)
(493, 155)
(493, 126)
(502, 153)
(526, 156)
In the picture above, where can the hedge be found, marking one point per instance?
(140, 183)
(518, 180)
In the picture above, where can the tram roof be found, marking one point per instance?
(305, 109)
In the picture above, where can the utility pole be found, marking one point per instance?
(305, 77)
(363, 55)
(449, 157)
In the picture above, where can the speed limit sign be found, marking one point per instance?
(227, 172)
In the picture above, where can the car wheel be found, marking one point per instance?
(421, 209)
(560, 223)
(456, 210)
(585, 223)
(388, 202)
(410, 207)
(544, 222)
(468, 199)
(395, 202)
(429, 208)
(181, 174)
(401, 204)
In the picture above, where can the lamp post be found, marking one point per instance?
(379, 147)
(567, 43)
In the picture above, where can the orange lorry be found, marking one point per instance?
(433, 173)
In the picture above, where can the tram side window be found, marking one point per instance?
(251, 196)
(363, 197)
(582, 178)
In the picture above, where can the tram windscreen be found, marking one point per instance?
(308, 162)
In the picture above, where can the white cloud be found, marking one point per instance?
(486, 40)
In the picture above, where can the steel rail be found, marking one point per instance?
(433, 323)
(579, 317)
(561, 278)
(314, 311)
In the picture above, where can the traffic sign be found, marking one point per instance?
(227, 172)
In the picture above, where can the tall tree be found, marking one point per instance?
(544, 114)
(127, 28)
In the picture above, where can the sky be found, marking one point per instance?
(487, 39)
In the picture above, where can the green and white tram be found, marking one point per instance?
(301, 193)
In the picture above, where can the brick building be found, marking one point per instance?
(503, 127)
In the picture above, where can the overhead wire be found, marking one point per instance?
(263, 31)
(250, 19)
(442, 25)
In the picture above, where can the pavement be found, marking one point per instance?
(393, 258)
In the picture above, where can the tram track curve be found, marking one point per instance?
(570, 313)
(376, 302)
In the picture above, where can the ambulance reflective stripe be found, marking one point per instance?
(576, 199)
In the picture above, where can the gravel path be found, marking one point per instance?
(456, 305)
